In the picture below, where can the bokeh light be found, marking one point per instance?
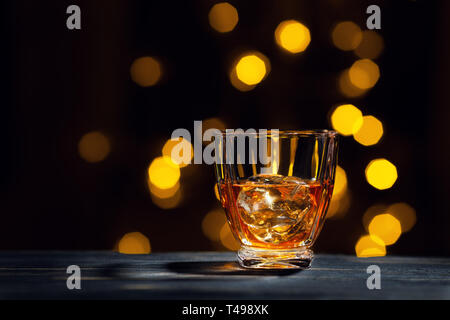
(163, 193)
(168, 203)
(371, 45)
(216, 192)
(212, 224)
(346, 35)
(346, 87)
(340, 200)
(238, 84)
(251, 69)
(146, 71)
(213, 123)
(227, 239)
(370, 246)
(339, 206)
(94, 147)
(404, 213)
(381, 174)
(134, 243)
(385, 227)
(223, 17)
(163, 173)
(178, 146)
(370, 132)
(371, 212)
(292, 36)
(340, 182)
(364, 74)
(347, 119)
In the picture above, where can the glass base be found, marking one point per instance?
(299, 258)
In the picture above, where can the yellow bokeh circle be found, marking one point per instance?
(223, 17)
(347, 119)
(346, 35)
(346, 87)
(251, 68)
(381, 174)
(370, 246)
(370, 132)
(163, 173)
(292, 36)
(179, 150)
(404, 213)
(340, 183)
(146, 71)
(134, 243)
(364, 74)
(227, 239)
(385, 227)
(371, 46)
(212, 224)
(94, 147)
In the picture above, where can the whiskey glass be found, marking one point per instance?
(276, 205)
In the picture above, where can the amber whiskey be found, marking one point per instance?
(274, 211)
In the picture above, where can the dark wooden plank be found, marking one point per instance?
(215, 275)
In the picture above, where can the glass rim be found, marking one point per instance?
(286, 133)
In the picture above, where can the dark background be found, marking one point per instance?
(60, 84)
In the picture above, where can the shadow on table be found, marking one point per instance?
(223, 268)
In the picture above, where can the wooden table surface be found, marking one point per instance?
(215, 275)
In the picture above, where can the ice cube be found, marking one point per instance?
(266, 179)
(274, 207)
